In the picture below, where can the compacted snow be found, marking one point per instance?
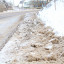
(54, 18)
(7, 27)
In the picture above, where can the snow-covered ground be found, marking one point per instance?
(8, 23)
(33, 42)
(54, 18)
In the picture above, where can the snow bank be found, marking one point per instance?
(54, 18)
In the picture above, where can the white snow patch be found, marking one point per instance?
(54, 18)
(49, 46)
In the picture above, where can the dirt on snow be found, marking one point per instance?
(33, 43)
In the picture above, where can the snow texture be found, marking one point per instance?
(54, 18)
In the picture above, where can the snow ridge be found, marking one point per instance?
(54, 18)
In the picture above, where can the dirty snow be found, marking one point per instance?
(29, 41)
(54, 18)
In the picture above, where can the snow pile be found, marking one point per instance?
(54, 18)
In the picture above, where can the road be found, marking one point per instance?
(15, 13)
(7, 27)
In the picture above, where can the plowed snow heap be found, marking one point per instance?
(54, 17)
